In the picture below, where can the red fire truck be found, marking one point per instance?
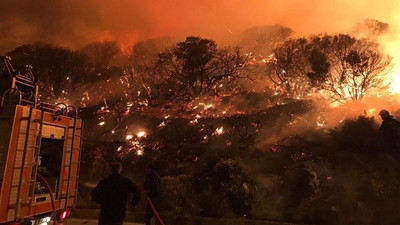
(40, 148)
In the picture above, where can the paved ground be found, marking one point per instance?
(89, 217)
(73, 221)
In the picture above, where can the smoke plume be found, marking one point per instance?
(74, 23)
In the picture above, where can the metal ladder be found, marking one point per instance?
(36, 162)
(23, 181)
(70, 164)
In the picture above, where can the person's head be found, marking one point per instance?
(149, 167)
(384, 114)
(116, 168)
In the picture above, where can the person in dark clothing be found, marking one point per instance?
(152, 189)
(112, 195)
(390, 128)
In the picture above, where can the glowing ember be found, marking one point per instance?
(119, 148)
(219, 131)
(144, 103)
(139, 152)
(194, 121)
(208, 106)
(129, 137)
(141, 134)
(275, 148)
(134, 143)
(102, 123)
(320, 122)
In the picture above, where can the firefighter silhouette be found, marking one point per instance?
(390, 128)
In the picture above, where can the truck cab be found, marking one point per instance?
(40, 149)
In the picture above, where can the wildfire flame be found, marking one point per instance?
(141, 134)
(129, 137)
(370, 112)
(219, 131)
(391, 44)
(395, 80)
(208, 106)
(194, 121)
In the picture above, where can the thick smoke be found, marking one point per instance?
(74, 23)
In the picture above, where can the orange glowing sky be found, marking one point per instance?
(74, 23)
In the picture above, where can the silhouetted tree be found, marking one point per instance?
(356, 66)
(195, 67)
(58, 69)
(342, 66)
(287, 68)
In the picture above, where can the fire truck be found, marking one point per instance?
(40, 148)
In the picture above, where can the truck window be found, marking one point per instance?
(51, 152)
(5, 132)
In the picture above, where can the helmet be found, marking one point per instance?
(384, 112)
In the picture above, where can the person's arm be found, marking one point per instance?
(397, 123)
(155, 184)
(97, 193)
(135, 191)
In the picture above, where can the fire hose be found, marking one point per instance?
(154, 210)
(46, 184)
